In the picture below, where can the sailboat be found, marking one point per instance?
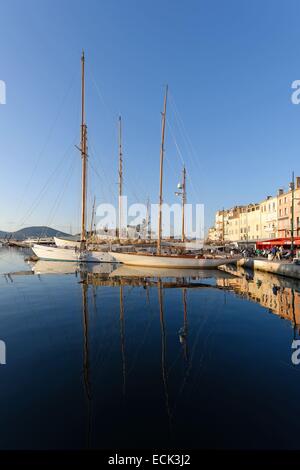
(159, 259)
(76, 253)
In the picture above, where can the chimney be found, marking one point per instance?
(280, 192)
(297, 181)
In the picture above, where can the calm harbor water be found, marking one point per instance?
(111, 360)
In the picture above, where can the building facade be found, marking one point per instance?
(269, 219)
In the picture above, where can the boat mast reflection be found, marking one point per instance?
(183, 332)
(122, 334)
(163, 350)
(86, 359)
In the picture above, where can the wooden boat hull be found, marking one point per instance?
(54, 253)
(169, 261)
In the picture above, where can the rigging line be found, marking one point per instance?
(131, 191)
(42, 192)
(104, 196)
(175, 141)
(98, 162)
(133, 196)
(185, 136)
(50, 132)
(110, 110)
(62, 193)
(182, 125)
(181, 158)
(100, 178)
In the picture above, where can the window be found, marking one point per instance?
(279, 212)
(280, 201)
(273, 206)
(285, 211)
(257, 228)
(285, 200)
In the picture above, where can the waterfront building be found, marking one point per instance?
(270, 219)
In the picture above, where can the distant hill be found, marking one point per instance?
(33, 232)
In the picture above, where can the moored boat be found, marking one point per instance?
(55, 253)
(68, 249)
(170, 261)
(158, 259)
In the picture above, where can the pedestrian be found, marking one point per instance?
(278, 254)
(273, 252)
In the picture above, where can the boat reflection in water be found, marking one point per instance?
(164, 349)
(93, 276)
(279, 295)
(65, 267)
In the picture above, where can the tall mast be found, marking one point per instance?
(120, 176)
(163, 125)
(83, 149)
(93, 218)
(183, 201)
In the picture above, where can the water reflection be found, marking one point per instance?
(279, 295)
(86, 361)
(137, 358)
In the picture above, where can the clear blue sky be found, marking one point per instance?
(229, 65)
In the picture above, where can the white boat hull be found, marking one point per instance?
(169, 261)
(66, 243)
(54, 253)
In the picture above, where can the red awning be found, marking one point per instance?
(277, 242)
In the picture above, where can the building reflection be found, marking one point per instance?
(279, 295)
